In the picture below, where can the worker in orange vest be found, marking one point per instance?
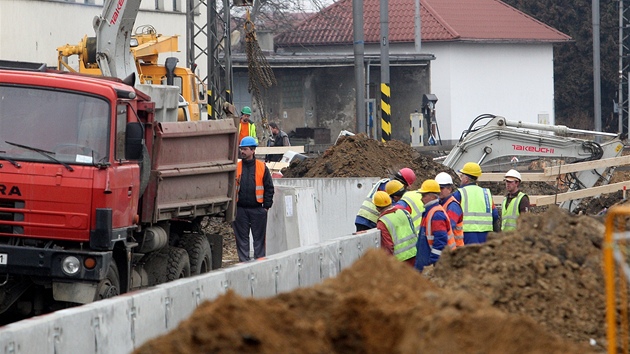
(452, 206)
(435, 233)
(254, 197)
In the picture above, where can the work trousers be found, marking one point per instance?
(254, 219)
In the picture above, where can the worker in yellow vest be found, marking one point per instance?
(515, 202)
(246, 127)
(480, 214)
(367, 214)
(398, 236)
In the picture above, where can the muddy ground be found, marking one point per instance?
(539, 289)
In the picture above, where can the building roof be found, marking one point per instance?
(442, 20)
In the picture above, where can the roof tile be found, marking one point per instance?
(442, 20)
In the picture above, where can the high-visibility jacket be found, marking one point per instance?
(258, 177)
(456, 215)
(251, 131)
(477, 207)
(368, 209)
(509, 213)
(435, 234)
(403, 233)
(414, 200)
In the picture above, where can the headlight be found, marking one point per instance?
(71, 265)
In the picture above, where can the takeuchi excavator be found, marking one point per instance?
(145, 45)
(501, 144)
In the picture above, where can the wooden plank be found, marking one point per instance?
(526, 177)
(582, 193)
(264, 150)
(588, 165)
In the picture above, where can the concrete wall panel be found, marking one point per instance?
(330, 259)
(180, 300)
(262, 277)
(145, 307)
(286, 270)
(238, 279)
(309, 269)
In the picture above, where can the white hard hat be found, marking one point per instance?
(513, 174)
(443, 178)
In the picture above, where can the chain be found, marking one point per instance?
(260, 74)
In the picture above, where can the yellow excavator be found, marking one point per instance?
(145, 45)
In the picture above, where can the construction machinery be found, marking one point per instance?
(501, 144)
(102, 190)
(145, 45)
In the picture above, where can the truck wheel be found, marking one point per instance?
(169, 263)
(178, 263)
(216, 244)
(110, 286)
(199, 254)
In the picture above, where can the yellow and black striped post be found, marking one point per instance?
(386, 111)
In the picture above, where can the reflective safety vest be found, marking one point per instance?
(477, 207)
(403, 233)
(414, 200)
(251, 131)
(450, 243)
(368, 209)
(509, 213)
(458, 231)
(258, 178)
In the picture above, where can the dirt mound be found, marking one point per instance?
(550, 269)
(360, 156)
(378, 305)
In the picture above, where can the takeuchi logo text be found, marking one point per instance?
(119, 6)
(530, 148)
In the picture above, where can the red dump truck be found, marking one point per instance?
(97, 197)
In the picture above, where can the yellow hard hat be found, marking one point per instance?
(429, 186)
(394, 186)
(381, 199)
(471, 169)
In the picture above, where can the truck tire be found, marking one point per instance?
(169, 263)
(110, 286)
(199, 254)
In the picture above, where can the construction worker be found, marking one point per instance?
(398, 236)
(254, 197)
(480, 214)
(246, 127)
(367, 214)
(408, 200)
(278, 138)
(515, 202)
(395, 189)
(435, 228)
(451, 206)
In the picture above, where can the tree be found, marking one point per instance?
(573, 61)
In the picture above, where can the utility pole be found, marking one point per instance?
(359, 72)
(386, 109)
(596, 67)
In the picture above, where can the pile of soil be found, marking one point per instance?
(378, 305)
(549, 268)
(360, 156)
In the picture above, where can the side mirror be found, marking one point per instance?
(134, 141)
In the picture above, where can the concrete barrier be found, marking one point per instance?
(121, 324)
(311, 210)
